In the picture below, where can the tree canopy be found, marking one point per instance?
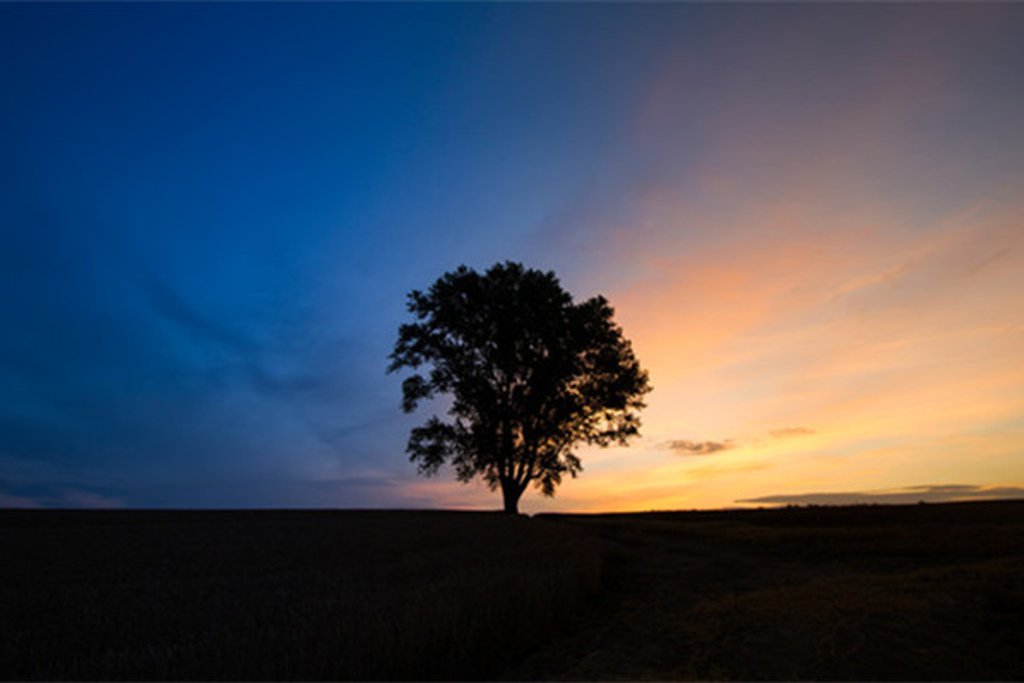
(530, 375)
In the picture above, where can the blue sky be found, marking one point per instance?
(211, 213)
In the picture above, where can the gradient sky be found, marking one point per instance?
(809, 218)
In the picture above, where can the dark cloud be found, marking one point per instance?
(911, 494)
(788, 432)
(686, 447)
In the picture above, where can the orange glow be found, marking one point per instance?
(864, 338)
(829, 274)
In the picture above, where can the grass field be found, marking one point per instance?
(914, 592)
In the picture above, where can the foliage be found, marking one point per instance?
(530, 373)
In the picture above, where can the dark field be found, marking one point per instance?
(916, 592)
(213, 595)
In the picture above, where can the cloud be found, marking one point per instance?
(910, 494)
(8, 501)
(242, 356)
(984, 263)
(686, 447)
(790, 432)
(168, 303)
(46, 496)
(80, 498)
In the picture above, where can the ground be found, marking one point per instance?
(927, 592)
(905, 592)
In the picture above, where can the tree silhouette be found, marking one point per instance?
(530, 374)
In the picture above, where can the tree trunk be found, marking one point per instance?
(511, 493)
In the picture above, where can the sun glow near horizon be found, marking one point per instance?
(848, 358)
(858, 358)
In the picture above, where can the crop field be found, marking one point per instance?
(929, 592)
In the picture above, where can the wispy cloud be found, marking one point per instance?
(239, 354)
(169, 303)
(44, 496)
(9, 501)
(987, 261)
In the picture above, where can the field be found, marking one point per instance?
(282, 595)
(913, 592)
(923, 592)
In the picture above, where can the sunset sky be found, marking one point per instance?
(809, 220)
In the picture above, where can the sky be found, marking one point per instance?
(808, 218)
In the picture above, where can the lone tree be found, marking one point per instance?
(530, 373)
